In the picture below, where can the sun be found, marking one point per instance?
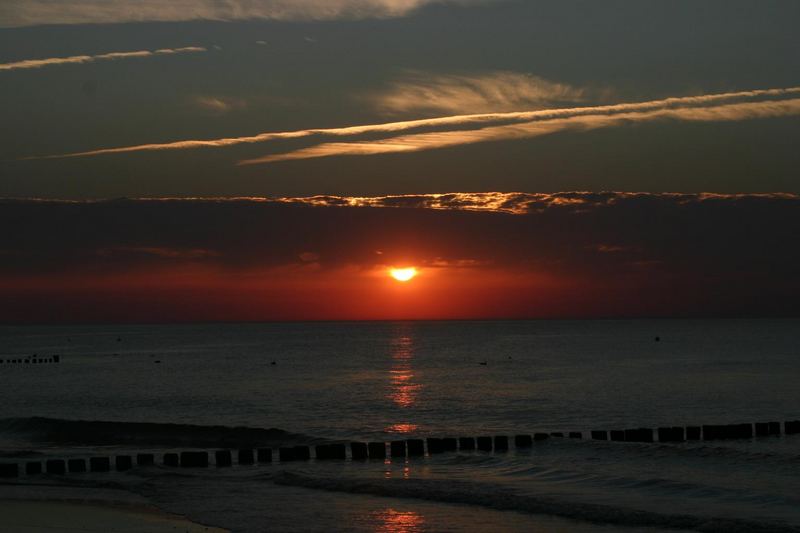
(403, 274)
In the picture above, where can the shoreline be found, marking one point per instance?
(29, 508)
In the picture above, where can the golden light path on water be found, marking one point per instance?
(403, 389)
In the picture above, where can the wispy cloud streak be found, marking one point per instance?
(449, 123)
(489, 92)
(76, 60)
(34, 12)
(583, 122)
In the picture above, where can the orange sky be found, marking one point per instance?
(577, 255)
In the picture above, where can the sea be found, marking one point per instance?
(172, 388)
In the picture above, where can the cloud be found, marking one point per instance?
(523, 120)
(130, 252)
(73, 60)
(35, 12)
(218, 104)
(484, 254)
(496, 91)
(527, 130)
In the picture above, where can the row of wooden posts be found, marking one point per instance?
(35, 359)
(360, 451)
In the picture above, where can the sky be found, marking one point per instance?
(271, 159)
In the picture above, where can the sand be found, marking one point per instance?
(26, 509)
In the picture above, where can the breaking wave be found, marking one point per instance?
(466, 493)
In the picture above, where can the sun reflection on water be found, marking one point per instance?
(393, 521)
(403, 388)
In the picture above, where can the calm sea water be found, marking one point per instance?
(384, 381)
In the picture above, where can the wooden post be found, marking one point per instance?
(76, 465)
(286, 454)
(99, 464)
(55, 466)
(123, 462)
(416, 447)
(264, 455)
(302, 453)
(523, 441)
(223, 458)
(358, 451)
(398, 448)
(434, 446)
(377, 450)
(8, 470)
(466, 443)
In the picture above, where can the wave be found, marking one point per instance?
(465, 493)
(96, 432)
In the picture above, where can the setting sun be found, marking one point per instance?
(403, 274)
